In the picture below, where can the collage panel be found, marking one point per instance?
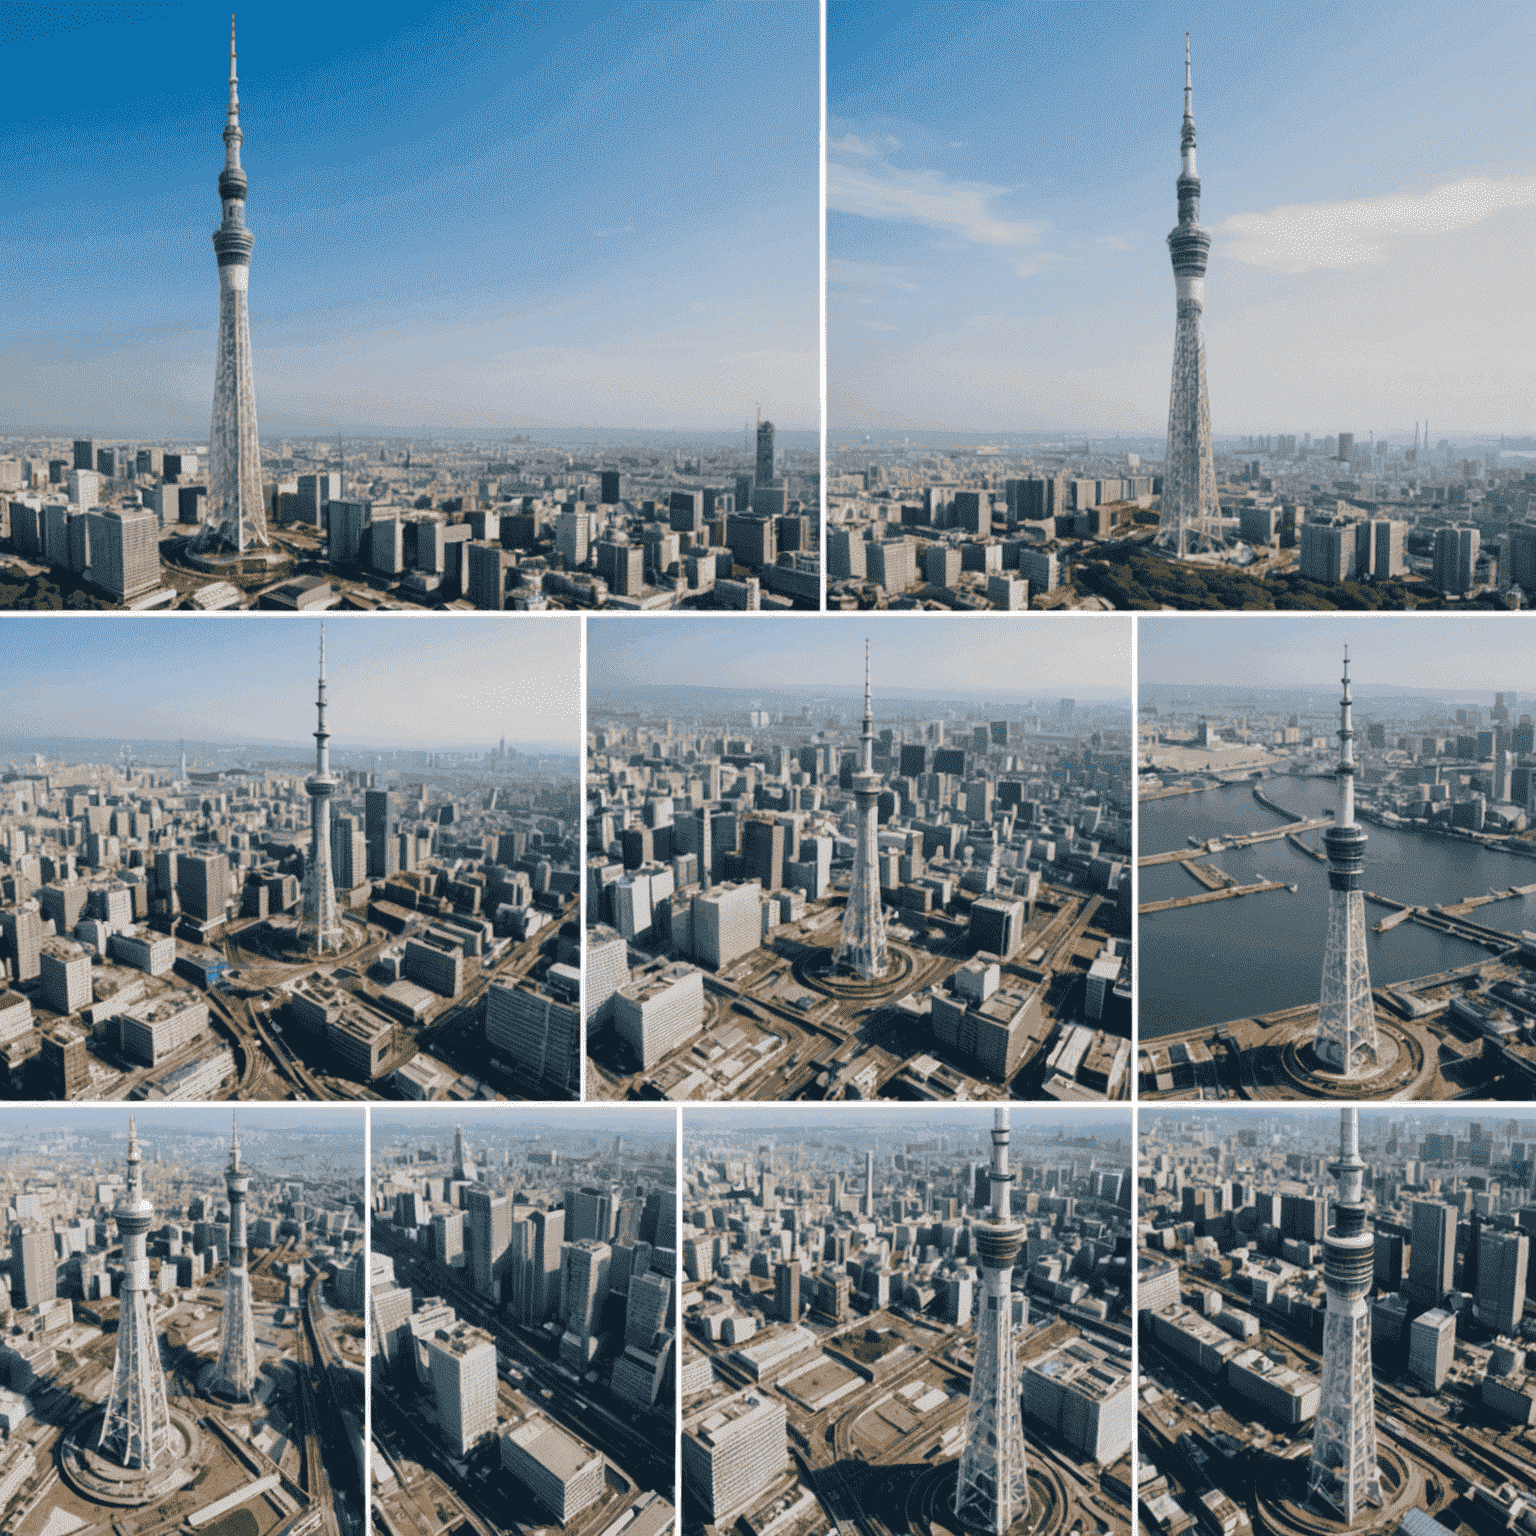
(907, 1320)
(1335, 859)
(1332, 1318)
(1085, 360)
(523, 1299)
(840, 861)
(199, 904)
(183, 1334)
(451, 291)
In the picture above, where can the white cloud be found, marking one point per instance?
(867, 276)
(1307, 237)
(861, 181)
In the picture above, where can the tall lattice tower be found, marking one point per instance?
(319, 917)
(235, 1375)
(136, 1428)
(1346, 1014)
(1343, 1473)
(1191, 519)
(236, 513)
(993, 1487)
(863, 947)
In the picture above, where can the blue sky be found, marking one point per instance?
(392, 681)
(1001, 180)
(961, 656)
(465, 214)
(1429, 651)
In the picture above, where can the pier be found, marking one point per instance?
(1211, 895)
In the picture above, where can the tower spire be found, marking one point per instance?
(863, 946)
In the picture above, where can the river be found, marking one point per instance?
(1231, 959)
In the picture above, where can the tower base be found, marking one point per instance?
(99, 1478)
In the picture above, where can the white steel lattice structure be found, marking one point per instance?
(1343, 1474)
(236, 513)
(319, 917)
(235, 1374)
(136, 1428)
(1191, 515)
(864, 948)
(992, 1490)
(1346, 1040)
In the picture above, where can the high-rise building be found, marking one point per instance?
(863, 947)
(869, 1186)
(136, 1427)
(381, 828)
(733, 1448)
(320, 919)
(124, 551)
(1502, 1260)
(1343, 1472)
(1346, 1041)
(487, 1240)
(765, 474)
(461, 1365)
(786, 1291)
(1455, 559)
(992, 1489)
(1191, 515)
(236, 1370)
(34, 1275)
(1431, 1253)
(236, 512)
(1432, 1348)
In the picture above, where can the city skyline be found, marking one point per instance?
(1005, 270)
(211, 1120)
(414, 325)
(526, 688)
(929, 657)
(907, 1119)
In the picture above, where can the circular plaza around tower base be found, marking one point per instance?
(97, 1477)
(1281, 1506)
(1397, 1070)
(823, 973)
(279, 939)
(230, 563)
(1052, 1509)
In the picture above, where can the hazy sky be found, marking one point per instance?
(1001, 182)
(958, 655)
(1482, 652)
(465, 214)
(501, 1122)
(410, 681)
(781, 1119)
(155, 1119)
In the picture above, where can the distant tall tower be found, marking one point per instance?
(136, 1428)
(319, 918)
(1343, 1470)
(463, 1159)
(863, 947)
(1191, 519)
(993, 1487)
(236, 1372)
(764, 474)
(869, 1186)
(1346, 1014)
(236, 513)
